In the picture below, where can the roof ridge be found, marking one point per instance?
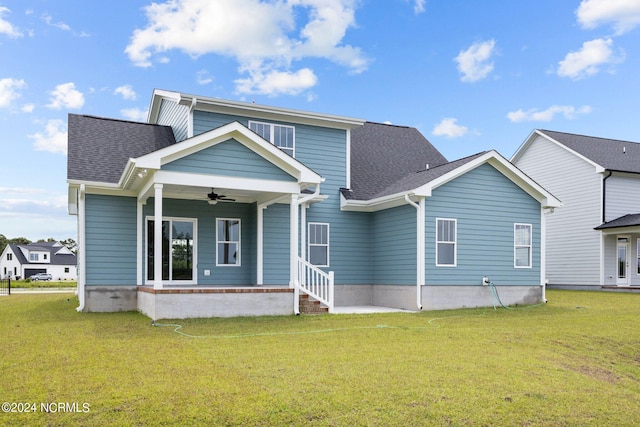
(390, 125)
(111, 119)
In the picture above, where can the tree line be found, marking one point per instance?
(4, 241)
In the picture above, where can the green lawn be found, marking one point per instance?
(573, 361)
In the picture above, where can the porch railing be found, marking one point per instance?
(316, 283)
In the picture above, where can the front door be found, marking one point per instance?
(623, 261)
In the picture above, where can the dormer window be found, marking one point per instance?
(281, 136)
(34, 257)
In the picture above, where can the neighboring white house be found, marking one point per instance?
(22, 261)
(594, 240)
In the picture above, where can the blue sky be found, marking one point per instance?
(470, 75)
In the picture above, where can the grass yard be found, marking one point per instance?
(573, 361)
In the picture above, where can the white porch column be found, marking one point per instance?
(303, 231)
(157, 237)
(293, 241)
(139, 243)
(260, 245)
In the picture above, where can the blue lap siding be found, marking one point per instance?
(486, 205)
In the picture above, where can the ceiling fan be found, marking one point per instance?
(214, 198)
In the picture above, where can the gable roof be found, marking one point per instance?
(382, 155)
(610, 154)
(99, 148)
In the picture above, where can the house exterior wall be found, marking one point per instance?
(394, 246)
(622, 195)
(573, 246)
(486, 206)
(175, 115)
(610, 245)
(110, 240)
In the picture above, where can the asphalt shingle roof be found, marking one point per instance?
(99, 148)
(612, 154)
(384, 157)
(629, 220)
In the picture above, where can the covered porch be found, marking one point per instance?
(621, 252)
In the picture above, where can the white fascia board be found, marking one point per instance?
(72, 200)
(269, 113)
(374, 205)
(103, 188)
(503, 166)
(241, 134)
(230, 182)
(536, 133)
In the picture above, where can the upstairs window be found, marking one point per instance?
(446, 242)
(281, 136)
(9, 257)
(34, 257)
(522, 245)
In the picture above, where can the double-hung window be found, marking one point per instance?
(281, 136)
(319, 244)
(227, 242)
(522, 245)
(446, 253)
(34, 257)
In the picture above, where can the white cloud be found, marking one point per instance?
(66, 96)
(277, 82)
(448, 127)
(418, 6)
(53, 139)
(60, 25)
(265, 38)
(28, 108)
(6, 27)
(10, 91)
(203, 77)
(474, 62)
(126, 92)
(135, 114)
(533, 115)
(587, 61)
(623, 15)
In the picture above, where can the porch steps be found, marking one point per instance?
(310, 305)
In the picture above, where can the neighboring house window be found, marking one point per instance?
(228, 241)
(319, 244)
(33, 257)
(9, 257)
(281, 136)
(66, 269)
(446, 254)
(178, 249)
(45, 256)
(522, 245)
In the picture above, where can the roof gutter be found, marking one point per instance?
(420, 243)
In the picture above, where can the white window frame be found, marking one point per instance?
(517, 246)
(326, 245)
(291, 151)
(238, 243)
(194, 255)
(454, 243)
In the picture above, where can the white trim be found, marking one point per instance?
(348, 160)
(516, 245)
(82, 252)
(627, 261)
(454, 243)
(238, 243)
(157, 237)
(140, 243)
(327, 245)
(262, 112)
(293, 248)
(637, 266)
(271, 139)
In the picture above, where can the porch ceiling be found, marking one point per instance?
(193, 192)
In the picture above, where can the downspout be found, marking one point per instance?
(604, 196)
(82, 246)
(420, 263)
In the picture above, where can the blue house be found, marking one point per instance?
(224, 208)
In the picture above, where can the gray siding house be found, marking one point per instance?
(594, 240)
(223, 208)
